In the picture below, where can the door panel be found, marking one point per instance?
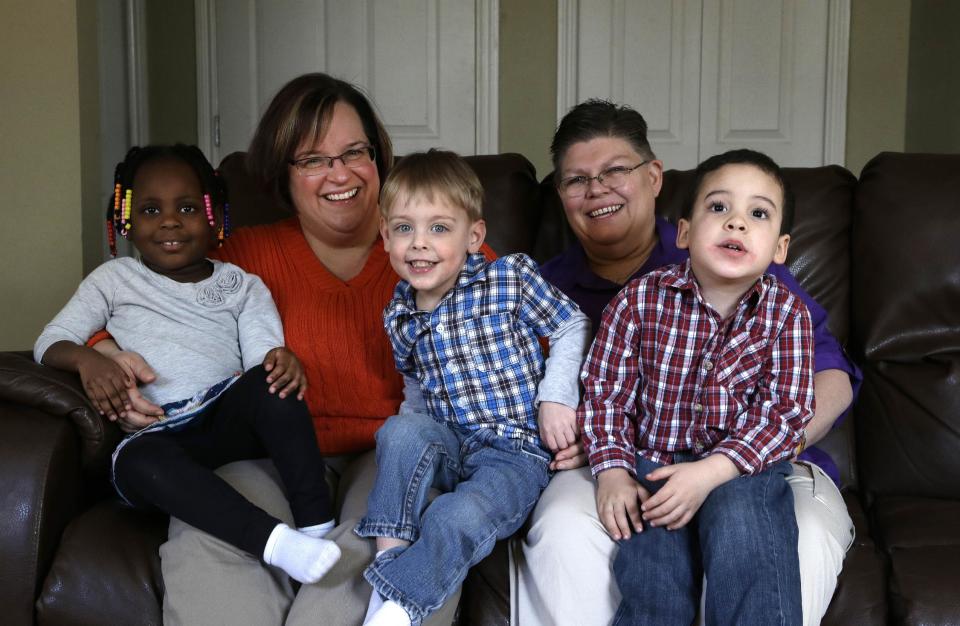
(711, 75)
(417, 59)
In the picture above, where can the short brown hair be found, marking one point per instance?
(301, 111)
(599, 118)
(430, 174)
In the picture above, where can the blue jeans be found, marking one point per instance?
(489, 485)
(744, 538)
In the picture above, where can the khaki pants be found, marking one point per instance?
(210, 582)
(561, 572)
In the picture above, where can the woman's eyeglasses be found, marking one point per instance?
(316, 164)
(611, 178)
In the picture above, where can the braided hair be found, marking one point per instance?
(120, 205)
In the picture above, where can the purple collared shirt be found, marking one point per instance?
(571, 273)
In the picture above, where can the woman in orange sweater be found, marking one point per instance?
(324, 152)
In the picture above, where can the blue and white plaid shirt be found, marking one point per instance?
(477, 355)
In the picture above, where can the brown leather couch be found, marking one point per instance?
(875, 252)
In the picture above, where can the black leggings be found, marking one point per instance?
(173, 470)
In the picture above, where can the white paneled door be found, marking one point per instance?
(428, 65)
(711, 75)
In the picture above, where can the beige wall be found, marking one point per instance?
(93, 195)
(172, 75)
(40, 174)
(877, 84)
(528, 79)
(933, 94)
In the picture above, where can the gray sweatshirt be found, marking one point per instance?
(192, 334)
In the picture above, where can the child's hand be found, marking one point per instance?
(285, 372)
(618, 502)
(104, 382)
(558, 425)
(687, 486)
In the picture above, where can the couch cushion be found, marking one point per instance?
(861, 593)
(908, 522)
(922, 538)
(906, 320)
(511, 204)
(485, 600)
(107, 569)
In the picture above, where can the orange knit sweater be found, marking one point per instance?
(335, 327)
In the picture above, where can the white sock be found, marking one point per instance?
(390, 614)
(318, 531)
(303, 557)
(376, 600)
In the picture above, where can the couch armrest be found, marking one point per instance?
(58, 393)
(40, 487)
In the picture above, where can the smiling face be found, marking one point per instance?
(428, 242)
(170, 228)
(733, 232)
(606, 219)
(338, 206)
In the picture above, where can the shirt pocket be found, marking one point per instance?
(741, 363)
(486, 353)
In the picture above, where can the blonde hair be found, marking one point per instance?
(432, 174)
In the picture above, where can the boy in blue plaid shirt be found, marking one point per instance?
(482, 405)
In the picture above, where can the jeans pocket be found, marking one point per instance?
(534, 451)
(826, 492)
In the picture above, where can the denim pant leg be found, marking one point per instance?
(657, 570)
(748, 538)
(414, 453)
(500, 483)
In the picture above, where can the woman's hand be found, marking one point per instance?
(558, 425)
(571, 457)
(285, 372)
(619, 497)
(139, 412)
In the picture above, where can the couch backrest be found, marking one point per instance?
(906, 324)
(511, 205)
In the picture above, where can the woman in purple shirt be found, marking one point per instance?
(563, 566)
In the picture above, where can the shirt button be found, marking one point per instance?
(698, 407)
(439, 328)
(707, 365)
(452, 368)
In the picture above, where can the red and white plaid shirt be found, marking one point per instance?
(666, 374)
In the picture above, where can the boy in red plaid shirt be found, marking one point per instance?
(697, 390)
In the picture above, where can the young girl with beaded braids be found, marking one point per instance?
(229, 388)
